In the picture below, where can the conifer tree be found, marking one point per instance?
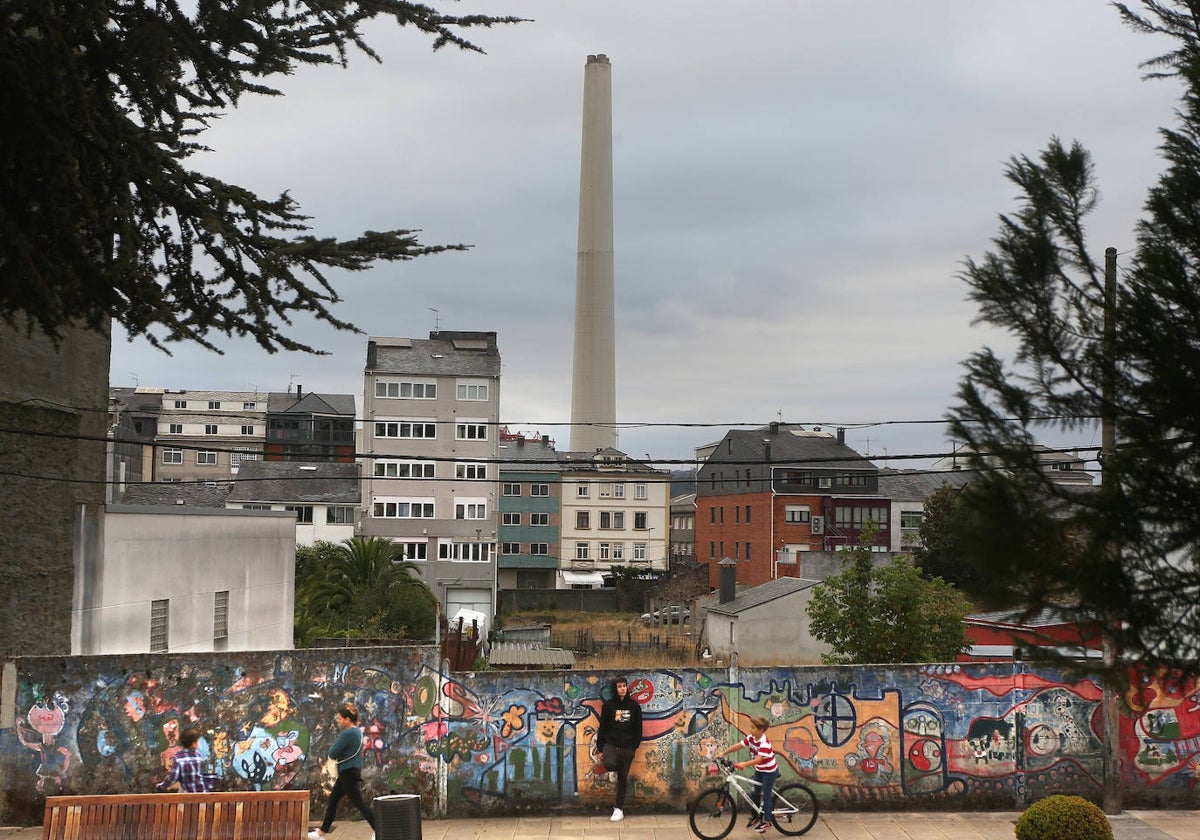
(1129, 550)
(101, 217)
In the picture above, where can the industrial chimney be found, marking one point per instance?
(594, 378)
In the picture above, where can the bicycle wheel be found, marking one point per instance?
(712, 814)
(795, 808)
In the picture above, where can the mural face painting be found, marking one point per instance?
(980, 736)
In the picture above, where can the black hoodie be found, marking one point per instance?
(620, 722)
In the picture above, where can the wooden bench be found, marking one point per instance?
(237, 815)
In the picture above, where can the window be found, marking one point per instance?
(472, 552)
(581, 490)
(737, 514)
(221, 614)
(470, 431)
(618, 552)
(206, 456)
(619, 490)
(403, 469)
(304, 513)
(176, 428)
(639, 490)
(539, 519)
(747, 514)
(247, 429)
(406, 390)
(477, 391)
(238, 455)
(470, 510)
(405, 429)
(510, 548)
(618, 520)
(414, 550)
(510, 519)
(539, 489)
(747, 551)
(639, 520)
(214, 405)
(712, 551)
(582, 519)
(172, 481)
(605, 519)
(340, 515)
(159, 620)
(605, 551)
(512, 489)
(252, 506)
(639, 552)
(796, 514)
(402, 509)
(210, 428)
(249, 406)
(581, 551)
(540, 549)
(851, 480)
(472, 472)
(181, 403)
(857, 517)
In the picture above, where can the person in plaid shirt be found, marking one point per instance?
(186, 766)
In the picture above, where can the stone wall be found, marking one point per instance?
(913, 737)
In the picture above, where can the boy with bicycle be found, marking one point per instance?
(766, 769)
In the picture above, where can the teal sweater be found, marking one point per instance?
(347, 749)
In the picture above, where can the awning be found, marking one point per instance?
(582, 578)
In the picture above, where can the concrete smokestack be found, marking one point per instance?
(594, 378)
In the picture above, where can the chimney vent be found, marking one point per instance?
(728, 580)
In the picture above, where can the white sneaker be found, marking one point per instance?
(618, 815)
(612, 776)
(315, 834)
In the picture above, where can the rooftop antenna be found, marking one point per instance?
(291, 381)
(436, 321)
(135, 379)
(779, 415)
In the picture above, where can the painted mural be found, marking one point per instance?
(937, 736)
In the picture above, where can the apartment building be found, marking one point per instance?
(205, 435)
(530, 512)
(431, 416)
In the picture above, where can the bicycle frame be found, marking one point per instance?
(735, 781)
(711, 815)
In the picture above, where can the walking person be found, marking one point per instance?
(766, 770)
(187, 766)
(347, 752)
(618, 737)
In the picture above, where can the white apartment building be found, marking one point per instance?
(431, 412)
(206, 435)
(615, 512)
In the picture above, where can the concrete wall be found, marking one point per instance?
(777, 630)
(53, 423)
(912, 737)
(141, 554)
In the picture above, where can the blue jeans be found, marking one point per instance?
(767, 780)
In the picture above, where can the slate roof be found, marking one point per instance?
(528, 655)
(524, 457)
(762, 594)
(443, 353)
(790, 446)
(918, 485)
(311, 403)
(295, 481)
(1048, 617)
(192, 494)
(579, 461)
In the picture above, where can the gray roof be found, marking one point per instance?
(444, 353)
(790, 446)
(187, 494)
(686, 500)
(311, 403)
(1047, 617)
(516, 456)
(529, 655)
(762, 594)
(919, 485)
(579, 461)
(295, 481)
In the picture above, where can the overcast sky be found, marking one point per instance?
(796, 184)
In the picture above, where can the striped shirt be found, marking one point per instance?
(763, 752)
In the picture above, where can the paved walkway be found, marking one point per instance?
(838, 825)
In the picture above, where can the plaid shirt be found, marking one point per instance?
(186, 768)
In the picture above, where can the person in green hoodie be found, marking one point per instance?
(618, 737)
(347, 752)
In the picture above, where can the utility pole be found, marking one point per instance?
(1108, 446)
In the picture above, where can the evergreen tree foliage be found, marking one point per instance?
(890, 614)
(101, 217)
(1130, 550)
(364, 589)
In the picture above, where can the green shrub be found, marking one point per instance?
(1063, 818)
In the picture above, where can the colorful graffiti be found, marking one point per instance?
(504, 742)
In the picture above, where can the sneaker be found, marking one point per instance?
(315, 834)
(762, 827)
(612, 776)
(753, 821)
(618, 815)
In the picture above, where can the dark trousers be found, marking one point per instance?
(619, 760)
(347, 785)
(767, 780)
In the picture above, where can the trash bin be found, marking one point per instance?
(398, 817)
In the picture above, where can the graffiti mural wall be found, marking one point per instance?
(935, 736)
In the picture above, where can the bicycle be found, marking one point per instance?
(712, 814)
